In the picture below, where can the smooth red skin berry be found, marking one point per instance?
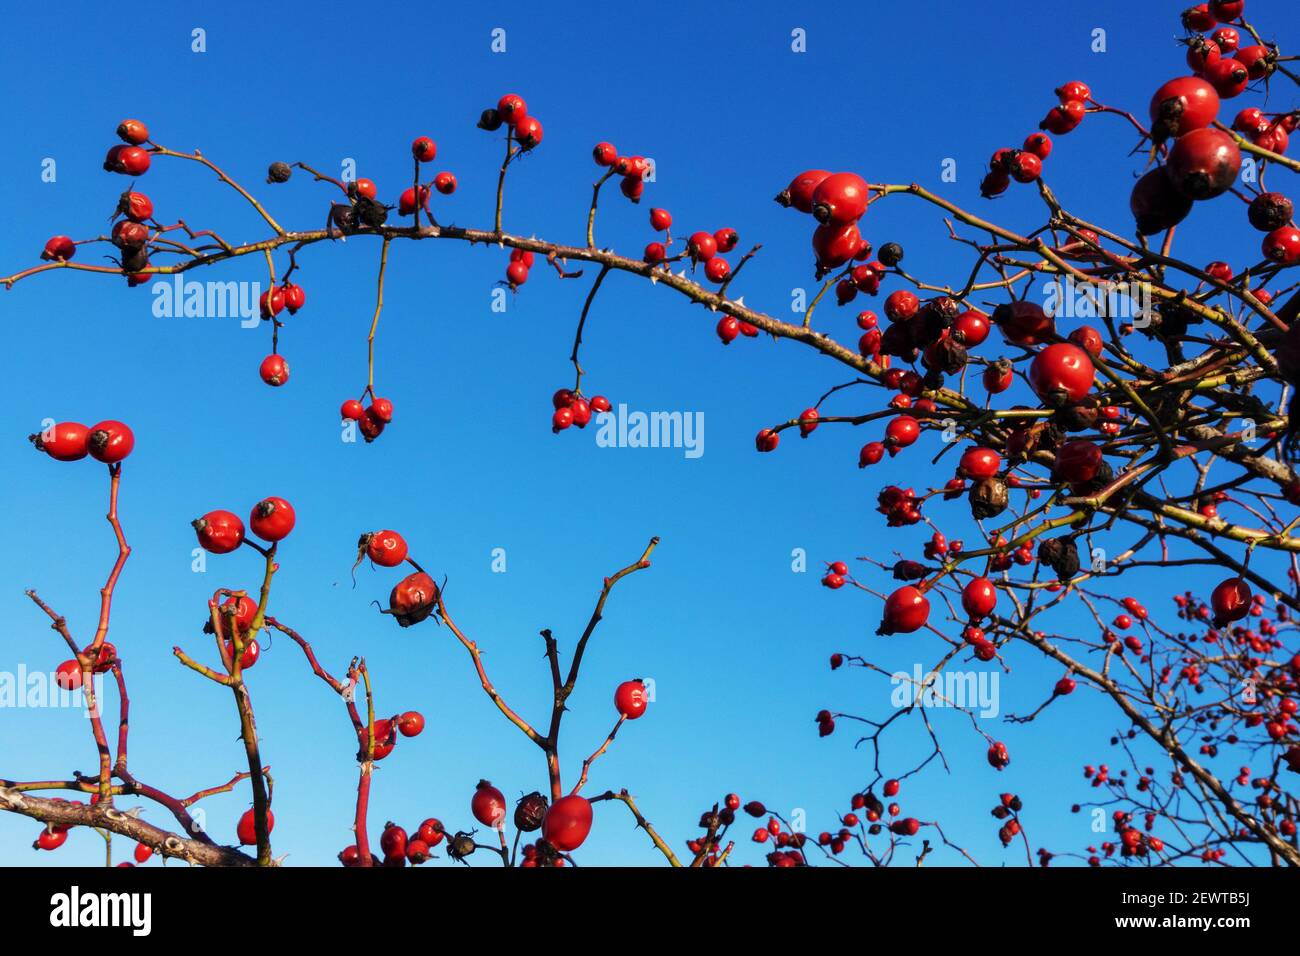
(901, 432)
(386, 548)
(1025, 323)
(978, 598)
(529, 132)
(835, 244)
(406, 202)
(512, 108)
(1226, 39)
(1198, 18)
(1077, 462)
(840, 198)
(68, 675)
(906, 611)
(431, 832)
(1202, 53)
(1073, 90)
(1059, 370)
(272, 519)
(1156, 204)
(251, 653)
(562, 398)
(1182, 105)
(51, 839)
(581, 410)
(1231, 601)
(220, 532)
(133, 161)
(1064, 118)
(998, 756)
(516, 274)
(247, 828)
(901, 305)
(561, 420)
(661, 220)
(274, 370)
(352, 410)
(890, 788)
(1282, 245)
(604, 154)
(727, 239)
(142, 852)
(1204, 163)
(1228, 76)
(488, 805)
(702, 246)
(1064, 686)
(445, 183)
(1255, 60)
(908, 826)
(997, 380)
(67, 441)
(567, 823)
(728, 329)
(365, 187)
(133, 132)
(633, 187)
(294, 297)
(382, 410)
(630, 699)
(271, 303)
(799, 193)
(424, 149)
(717, 269)
(1026, 167)
(59, 249)
(110, 441)
(972, 328)
(979, 463)
(522, 255)
(655, 252)
(600, 404)
(245, 609)
(808, 421)
(1088, 339)
(767, 440)
(1040, 144)
(410, 724)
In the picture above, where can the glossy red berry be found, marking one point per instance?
(59, 249)
(110, 441)
(1064, 118)
(66, 441)
(220, 532)
(998, 756)
(901, 432)
(630, 699)
(767, 440)
(1282, 245)
(567, 823)
(250, 656)
(717, 269)
(1040, 144)
(294, 297)
(835, 244)
(1024, 323)
(978, 598)
(424, 149)
(411, 723)
(512, 108)
(906, 610)
(808, 420)
(604, 154)
(1182, 105)
(654, 253)
(516, 274)
(488, 805)
(727, 239)
(799, 193)
(1025, 167)
(1229, 76)
(386, 548)
(840, 198)
(242, 609)
(272, 519)
(1077, 462)
(364, 187)
(445, 183)
(132, 161)
(352, 410)
(68, 675)
(1061, 373)
(702, 246)
(1257, 60)
(274, 370)
(51, 838)
(562, 419)
(1204, 163)
(1231, 601)
(271, 302)
(907, 827)
(661, 220)
(529, 132)
(979, 463)
(247, 828)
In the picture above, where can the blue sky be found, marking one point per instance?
(736, 642)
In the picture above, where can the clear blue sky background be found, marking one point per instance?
(737, 643)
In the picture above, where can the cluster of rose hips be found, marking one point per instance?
(633, 169)
(274, 370)
(371, 419)
(221, 532)
(109, 441)
(1009, 805)
(399, 847)
(1025, 165)
(387, 730)
(512, 112)
(412, 599)
(837, 201)
(571, 408)
(564, 825)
